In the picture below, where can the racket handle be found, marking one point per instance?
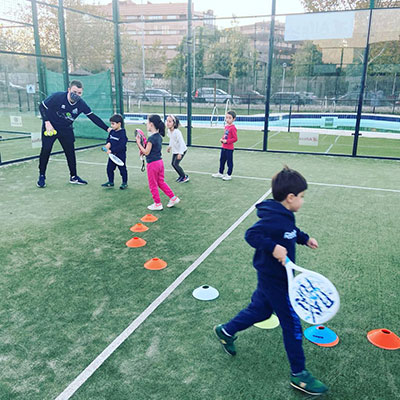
(104, 148)
(290, 264)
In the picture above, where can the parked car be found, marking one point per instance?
(206, 95)
(371, 98)
(288, 98)
(252, 97)
(309, 97)
(158, 95)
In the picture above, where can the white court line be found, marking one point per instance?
(269, 136)
(95, 364)
(329, 148)
(255, 178)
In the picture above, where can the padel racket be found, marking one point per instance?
(143, 142)
(314, 298)
(114, 158)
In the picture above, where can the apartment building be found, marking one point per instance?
(258, 33)
(164, 24)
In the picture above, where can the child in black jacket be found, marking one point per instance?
(116, 144)
(274, 237)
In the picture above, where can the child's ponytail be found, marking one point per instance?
(158, 123)
(161, 128)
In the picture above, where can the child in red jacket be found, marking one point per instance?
(230, 137)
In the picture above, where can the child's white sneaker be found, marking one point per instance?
(218, 175)
(155, 207)
(175, 200)
(226, 177)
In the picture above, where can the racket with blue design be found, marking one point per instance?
(314, 298)
(114, 158)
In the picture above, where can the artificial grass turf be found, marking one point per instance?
(71, 286)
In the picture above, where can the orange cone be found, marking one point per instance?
(155, 264)
(139, 228)
(384, 339)
(149, 218)
(136, 242)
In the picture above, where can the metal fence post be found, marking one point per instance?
(117, 60)
(63, 43)
(189, 75)
(270, 60)
(362, 84)
(38, 52)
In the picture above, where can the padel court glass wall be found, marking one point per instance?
(136, 62)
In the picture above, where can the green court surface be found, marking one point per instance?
(69, 285)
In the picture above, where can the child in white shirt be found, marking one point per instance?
(177, 146)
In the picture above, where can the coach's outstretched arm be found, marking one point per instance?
(98, 121)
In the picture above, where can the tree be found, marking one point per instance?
(231, 56)
(305, 58)
(82, 50)
(177, 67)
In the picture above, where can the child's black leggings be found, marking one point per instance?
(175, 164)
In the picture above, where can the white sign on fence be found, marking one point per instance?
(36, 138)
(15, 120)
(308, 139)
(319, 26)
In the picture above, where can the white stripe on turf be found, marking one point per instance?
(255, 178)
(99, 360)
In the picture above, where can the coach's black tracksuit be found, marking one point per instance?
(62, 113)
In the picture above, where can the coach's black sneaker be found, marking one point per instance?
(108, 184)
(77, 180)
(305, 382)
(123, 186)
(41, 183)
(225, 340)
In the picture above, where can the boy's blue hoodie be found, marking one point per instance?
(118, 140)
(277, 225)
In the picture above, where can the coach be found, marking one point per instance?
(58, 112)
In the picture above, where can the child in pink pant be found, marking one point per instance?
(155, 164)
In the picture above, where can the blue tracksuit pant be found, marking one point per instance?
(272, 295)
(226, 157)
(122, 170)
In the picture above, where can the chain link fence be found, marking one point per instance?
(319, 77)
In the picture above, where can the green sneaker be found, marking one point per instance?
(108, 184)
(225, 340)
(308, 384)
(123, 186)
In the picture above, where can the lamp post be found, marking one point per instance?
(339, 70)
(284, 65)
(143, 57)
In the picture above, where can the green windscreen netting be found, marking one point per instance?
(97, 93)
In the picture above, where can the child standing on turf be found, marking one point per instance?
(230, 137)
(155, 164)
(116, 144)
(274, 237)
(177, 146)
